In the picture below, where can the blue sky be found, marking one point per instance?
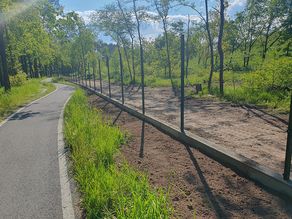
(84, 5)
(150, 30)
(87, 5)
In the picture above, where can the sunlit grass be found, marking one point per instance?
(108, 190)
(18, 96)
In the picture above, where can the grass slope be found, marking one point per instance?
(108, 190)
(18, 96)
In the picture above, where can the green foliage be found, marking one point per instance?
(153, 81)
(269, 87)
(23, 94)
(18, 79)
(109, 191)
(274, 76)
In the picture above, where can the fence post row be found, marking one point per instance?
(287, 168)
(100, 78)
(122, 77)
(108, 75)
(182, 89)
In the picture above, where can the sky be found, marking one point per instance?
(150, 30)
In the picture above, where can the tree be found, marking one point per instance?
(129, 25)
(139, 16)
(5, 79)
(162, 8)
(108, 21)
(275, 12)
(205, 19)
(220, 50)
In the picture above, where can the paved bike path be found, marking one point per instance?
(29, 166)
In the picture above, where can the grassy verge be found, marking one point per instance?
(21, 95)
(108, 190)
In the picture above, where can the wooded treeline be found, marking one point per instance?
(38, 39)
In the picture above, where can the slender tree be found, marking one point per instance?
(138, 17)
(127, 17)
(205, 19)
(162, 8)
(220, 50)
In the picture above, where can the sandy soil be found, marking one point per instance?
(249, 132)
(198, 186)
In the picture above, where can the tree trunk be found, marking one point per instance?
(11, 64)
(6, 82)
(36, 68)
(288, 49)
(128, 61)
(244, 55)
(187, 48)
(210, 46)
(220, 50)
(133, 60)
(266, 41)
(1, 75)
(32, 75)
(167, 50)
(141, 55)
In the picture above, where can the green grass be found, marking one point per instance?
(21, 95)
(276, 101)
(108, 190)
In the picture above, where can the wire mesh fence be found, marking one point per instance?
(249, 132)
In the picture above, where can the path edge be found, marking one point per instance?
(66, 196)
(25, 106)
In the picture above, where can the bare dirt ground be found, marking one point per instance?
(249, 132)
(198, 186)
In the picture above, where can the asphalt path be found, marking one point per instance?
(29, 166)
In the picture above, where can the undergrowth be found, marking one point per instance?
(108, 190)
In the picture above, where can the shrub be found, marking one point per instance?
(274, 76)
(18, 79)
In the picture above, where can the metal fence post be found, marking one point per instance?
(82, 78)
(108, 75)
(89, 77)
(142, 78)
(100, 78)
(287, 168)
(94, 84)
(85, 76)
(122, 77)
(182, 89)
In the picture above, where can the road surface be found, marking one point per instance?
(29, 166)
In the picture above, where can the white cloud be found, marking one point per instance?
(85, 15)
(235, 6)
(150, 29)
